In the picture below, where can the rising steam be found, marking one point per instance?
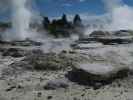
(111, 4)
(21, 18)
(119, 16)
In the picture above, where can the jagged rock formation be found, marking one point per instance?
(107, 38)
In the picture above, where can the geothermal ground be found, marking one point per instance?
(53, 70)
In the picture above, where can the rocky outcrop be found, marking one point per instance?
(14, 52)
(98, 73)
(38, 61)
(108, 38)
(26, 42)
(45, 61)
(93, 76)
(48, 62)
(115, 40)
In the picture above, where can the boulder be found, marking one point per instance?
(96, 75)
(101, 72)
(104, 66)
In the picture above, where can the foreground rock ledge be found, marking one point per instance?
(91, 74)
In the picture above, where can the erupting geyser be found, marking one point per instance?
(20, 19)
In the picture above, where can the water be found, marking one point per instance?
(20, 19)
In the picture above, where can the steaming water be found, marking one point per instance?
(21, 19)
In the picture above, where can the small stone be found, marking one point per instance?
(97, 86)
(20, 87)
(49, 97)
(75, 98)
(10, 88)
(82, 94)
(39, 94)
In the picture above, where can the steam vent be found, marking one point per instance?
(66, 50)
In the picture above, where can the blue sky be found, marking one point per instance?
(55, 8)
(52, 8)
(71, 7)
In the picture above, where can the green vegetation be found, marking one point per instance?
(5, 24)
(62, 27)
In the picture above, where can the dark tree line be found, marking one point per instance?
(62, 27)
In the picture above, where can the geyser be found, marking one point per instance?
(20, 19)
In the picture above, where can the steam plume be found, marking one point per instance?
(110, 4)
(21, 18)
(120, 15)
